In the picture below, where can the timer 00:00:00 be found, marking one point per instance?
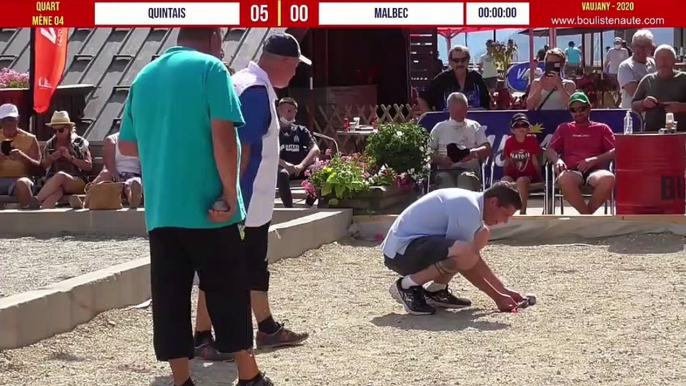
(498, 12)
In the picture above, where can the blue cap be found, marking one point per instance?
(283, 44)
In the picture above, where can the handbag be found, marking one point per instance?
(104, 195)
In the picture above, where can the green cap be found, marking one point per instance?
(579, 97)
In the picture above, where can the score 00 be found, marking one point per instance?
(296, 14)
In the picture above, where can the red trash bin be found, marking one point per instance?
(650, 173)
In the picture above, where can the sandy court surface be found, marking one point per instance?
(29, 263)
(609, 313)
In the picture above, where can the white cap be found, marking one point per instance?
(9, 110)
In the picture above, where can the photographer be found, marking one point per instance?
(551, 91)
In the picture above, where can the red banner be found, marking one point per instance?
(50, 58)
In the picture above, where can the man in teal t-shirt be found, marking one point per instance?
(573, 60)
(180, 119)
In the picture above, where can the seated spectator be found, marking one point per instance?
(299, 150)
(67, 160)
(585, 148)
(521, 158)
(465, 134)
(662, 92)
(456, 79)
(19, 158)
(551, 92)
(121, 168)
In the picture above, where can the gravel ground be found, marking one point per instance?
(608, 313)
(29, 263)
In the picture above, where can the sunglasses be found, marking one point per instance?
(578, 109)
(8, 120)
(458, 60)
(521, 126)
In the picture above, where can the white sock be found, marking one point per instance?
(407, 283)
(435, 287)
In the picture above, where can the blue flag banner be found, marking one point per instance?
(517, 77)
(543, 124)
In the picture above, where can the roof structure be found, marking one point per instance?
(110, 58)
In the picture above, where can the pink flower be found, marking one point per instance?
(328, 152)
(308, 173)
(309, 188)
(365, 175)
(362, 165)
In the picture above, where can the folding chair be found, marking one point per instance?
(586, 192)
(536, 189)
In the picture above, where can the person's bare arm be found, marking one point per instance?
(630, 88)
(85, 164)
(311, 155)
(109, 157)
(245, 156)
(534, 96)
(423, 105)
(32, 157)
(606, 157)
(225, 153)
(129, 149)
(482, 151)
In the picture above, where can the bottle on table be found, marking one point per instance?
(628, 123)
(346, 124)
(670, 124)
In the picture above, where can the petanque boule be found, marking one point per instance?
(531, 298)
(220, 206)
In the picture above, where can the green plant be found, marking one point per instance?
(338, 178)
(402, 147)
(503, 53)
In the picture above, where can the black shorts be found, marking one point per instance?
(218, 256)
(256, 242)
(420, 254)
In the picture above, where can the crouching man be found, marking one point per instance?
(442, 234)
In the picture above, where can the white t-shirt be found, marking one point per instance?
(632, 71)
(488, 65)
(468, 134)
(615, 56)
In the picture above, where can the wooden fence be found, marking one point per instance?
(329, 119)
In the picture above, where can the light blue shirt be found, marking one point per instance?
(573, 55)
(453, 213)
(168, 113)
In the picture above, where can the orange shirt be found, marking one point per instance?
(11, 168)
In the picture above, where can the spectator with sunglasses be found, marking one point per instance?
(456, 79)
(67, 159)
(579, 150)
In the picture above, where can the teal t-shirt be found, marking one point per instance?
(168, 113)
(573, 55)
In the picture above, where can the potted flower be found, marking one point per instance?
(402, 147)
(13, 79)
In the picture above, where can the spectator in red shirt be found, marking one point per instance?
(585, 148)
(521, 157)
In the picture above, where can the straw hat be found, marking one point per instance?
(60, 118)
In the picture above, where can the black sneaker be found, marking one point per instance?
(412, 299)
(206, 351)
(445, 299)
(263, 381)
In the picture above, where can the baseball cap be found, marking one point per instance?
(9, 110)
(287, 45)
(579, 97)
(518, 119)
(618, 40)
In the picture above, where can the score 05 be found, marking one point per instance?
(259, 13)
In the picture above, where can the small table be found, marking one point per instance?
(358, 135)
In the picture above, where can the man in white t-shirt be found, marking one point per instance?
(488, 68)
(633, 69)
(615, 56)
(464, 134)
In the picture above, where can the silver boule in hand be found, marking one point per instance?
(220, 206)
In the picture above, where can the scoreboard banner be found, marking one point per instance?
(310, 13)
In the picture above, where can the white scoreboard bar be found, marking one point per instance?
(391, 14)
